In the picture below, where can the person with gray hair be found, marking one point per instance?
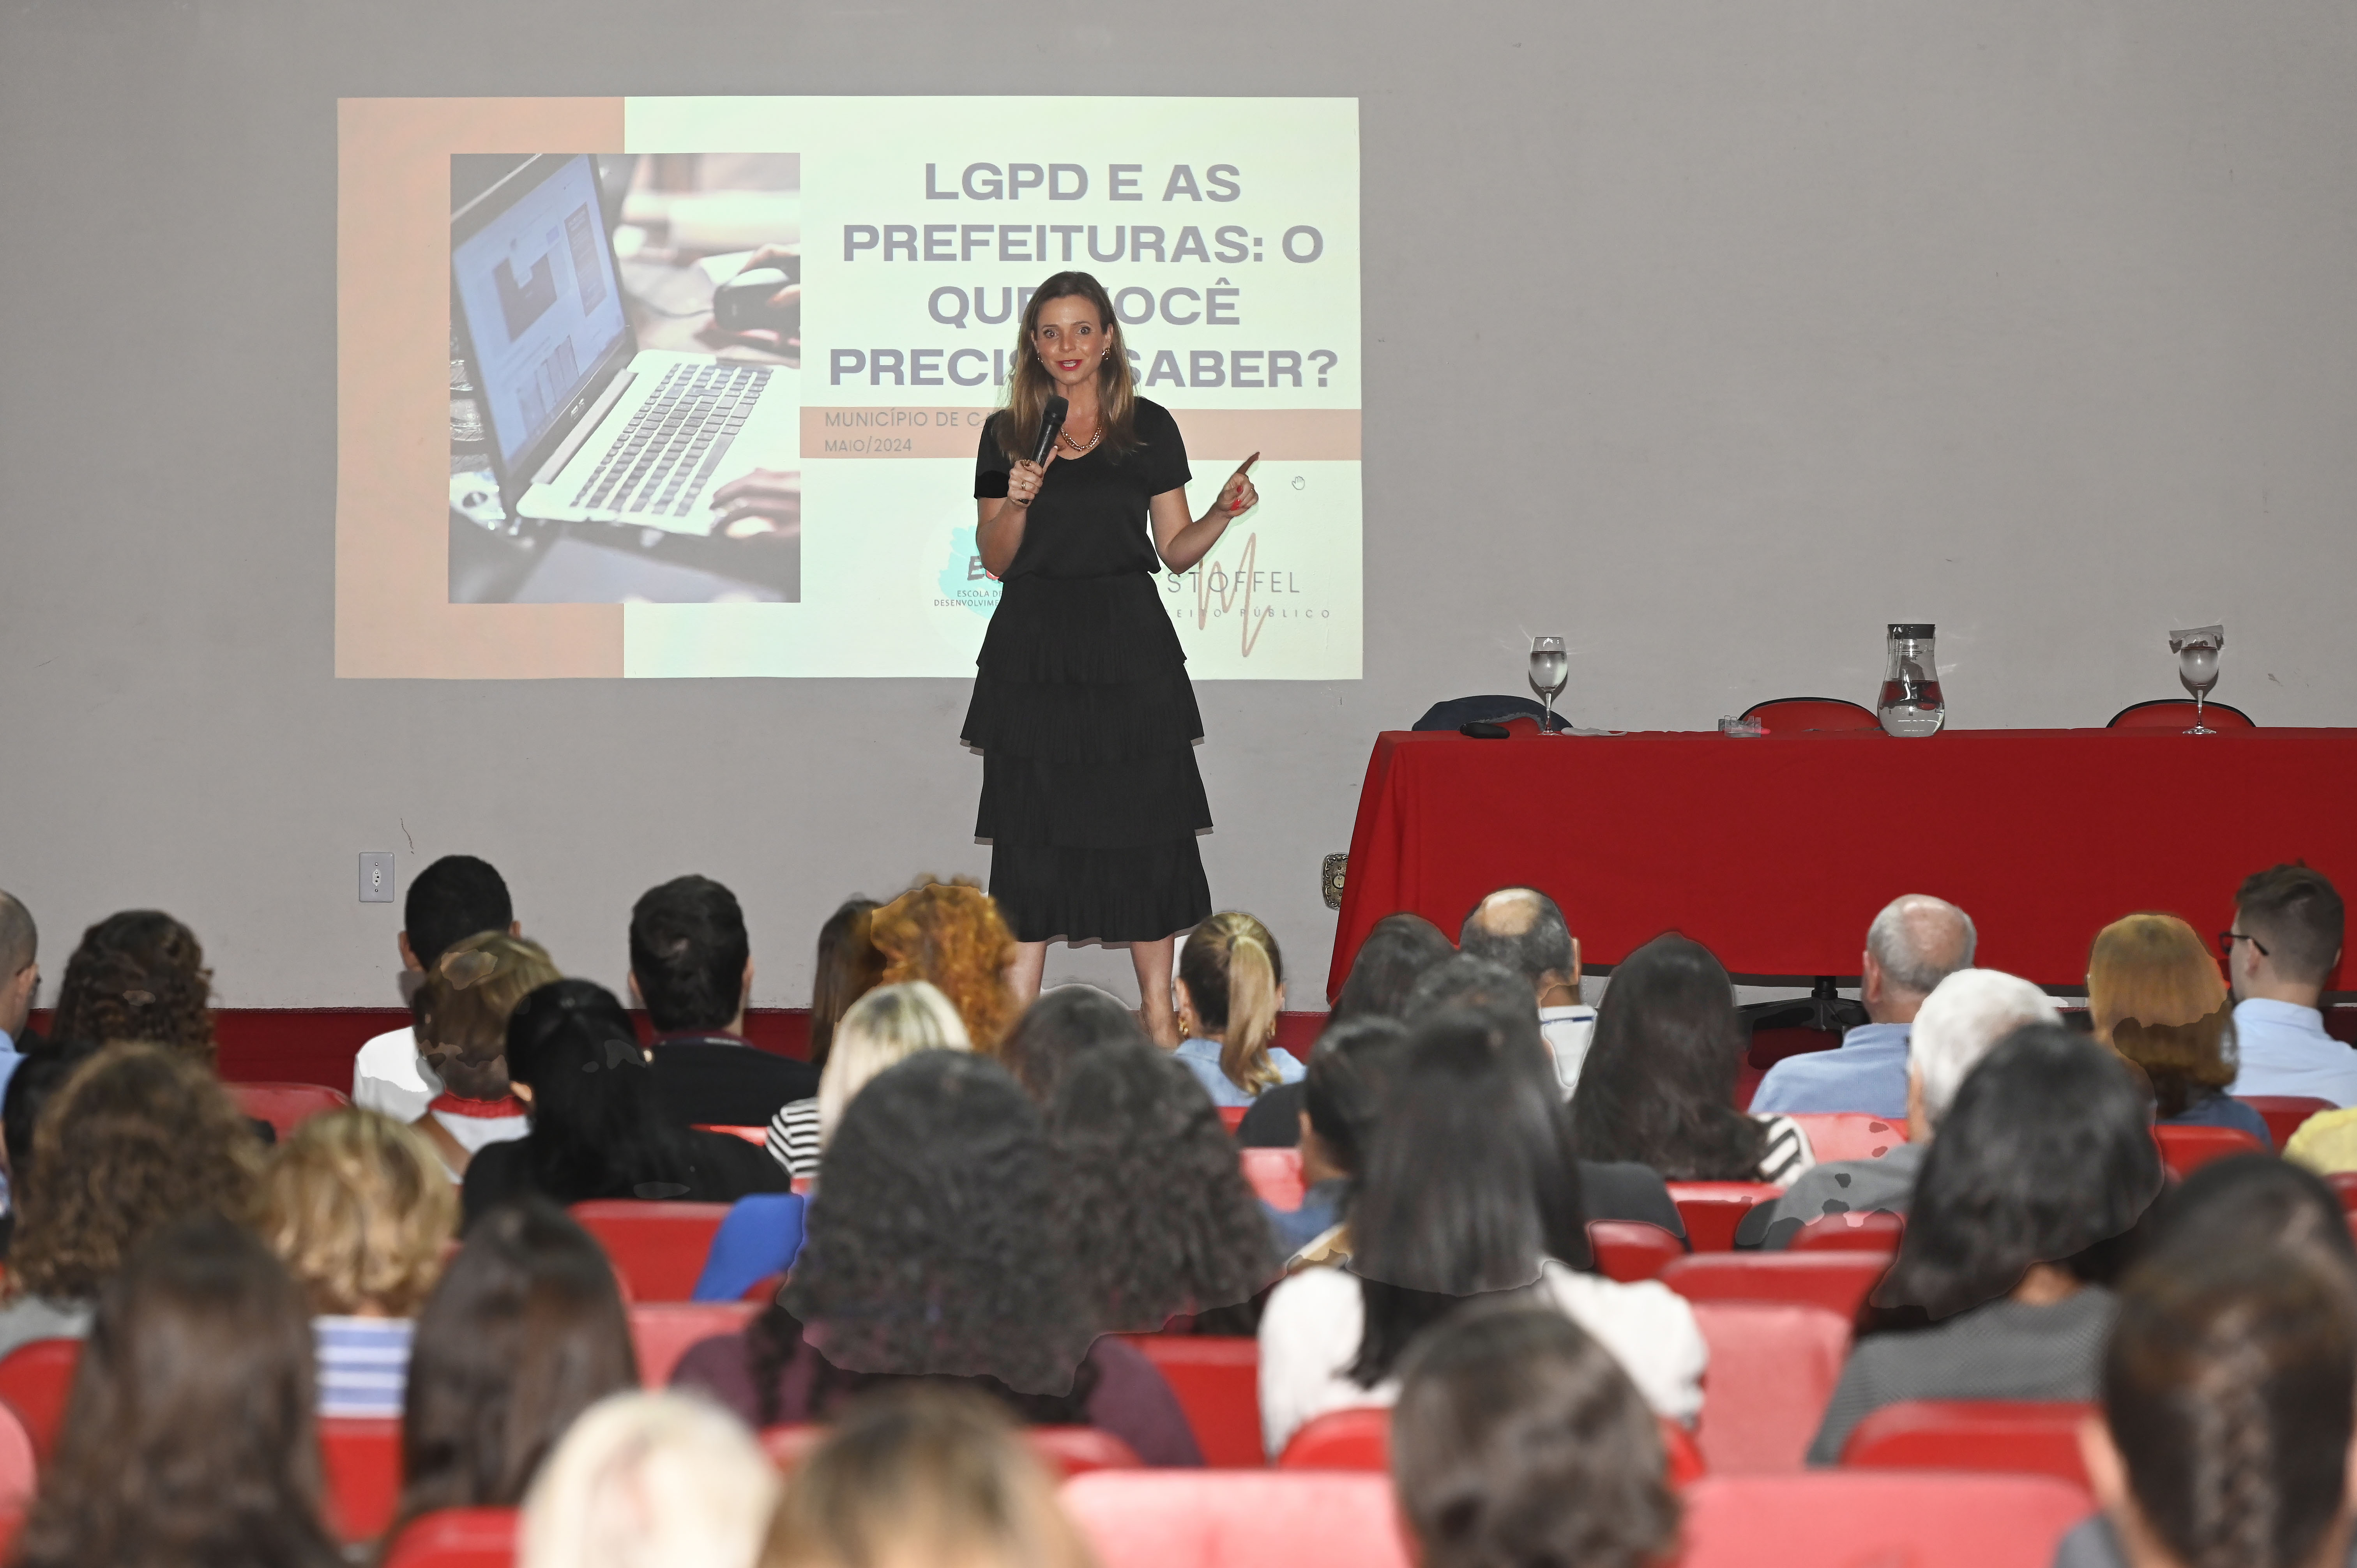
(20, 981)
(1523, 929)
(1916, 942)
(1961, 1021)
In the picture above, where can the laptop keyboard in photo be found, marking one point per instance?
(668, 452)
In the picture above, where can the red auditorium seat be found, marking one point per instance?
(1845, 1518)
(1232, 1116)
(663, 1331)
(1877, 1231)
(1217, 1379)
(1772, 1371)
(1630, 1250)
(2283, 1114)
(2176, 713)
(1836, 1281)
(2185, 1150)
(1275, 1175)
(1071, 1450)
(18, 1466)
(2037, 1437)
(758, 1137)
(363, 1460)
(1270, 1519)
(1849, 1136)
(457, 1537)
(35, 1380)
(1361, 1440)
(285, 1106)
(1712, 1209)
(657, 1249)
(2344, 1186)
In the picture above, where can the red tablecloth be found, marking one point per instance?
(1777, 851)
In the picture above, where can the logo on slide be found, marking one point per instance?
(964, 584)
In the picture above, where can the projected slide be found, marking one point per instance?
(646, 478)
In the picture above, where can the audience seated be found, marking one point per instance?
(949, 934)
(461, 1005)
(1961, 1021)
(882, 1029)
(525, 1331)
(138, 975)
(137, 1138)
(34, 1081)
(2281, 951)
(1350, 1073)
(1066, 1022)
(1397, 950)
(1230, 989)
(1149, 1198)
(1522, 929)
(938, 1189)
(849, 967)
(1519, 1440)
(1659, 1086)
(455, 897)
(651, 1480)
(2154, 995)
(599, 1127)
(692, 968)
(358, 1208)
(1471, 1189)
(20, 980)
(189, 1437)
(1913, 944)
(2024, 1210)
(923, 1476)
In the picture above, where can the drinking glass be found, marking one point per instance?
(2197, 666)
(1550, 672)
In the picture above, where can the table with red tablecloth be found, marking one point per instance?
(1776, 851)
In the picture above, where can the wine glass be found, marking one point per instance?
(2197, 667)
(1550, 672)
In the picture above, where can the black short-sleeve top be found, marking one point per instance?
(1091, 518)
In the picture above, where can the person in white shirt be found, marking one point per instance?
(1523, 929)
(455, 897)
(2280, 952)
(1470, 1190)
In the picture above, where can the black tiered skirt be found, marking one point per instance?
(1090, 799)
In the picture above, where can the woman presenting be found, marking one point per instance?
(1082, 709)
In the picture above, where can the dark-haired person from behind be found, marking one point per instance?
(189, 1436)
(1350, 1073)
(937, 1187)
(692, 968)
(2281, 952)
(600, 1126)
(138, 975)
(1065, 1024)
(2027, 1207)
(1520, 1439)
(1395, 953)
(458, 896)
(849, 967)
(34, 1080)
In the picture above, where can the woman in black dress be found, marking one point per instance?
(1082, 709)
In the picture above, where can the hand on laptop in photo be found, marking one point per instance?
(765, 504)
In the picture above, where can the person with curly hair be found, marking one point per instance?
(138, 975)
(950, 933)
(137, 1138)
(1150, 1200)
(934, 1253)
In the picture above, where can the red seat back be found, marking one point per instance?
(35, 1381)
(2344, 1186)
(1210, 1518)
(1836, 1281)
(1630, 1250)
(1275, 1175)
(2177, 713)
(1772, 1371)
(662, 1331)
(1851, 1135)
(1846, 1518)
(2037, 1437)
(1232, 1116)
(757, 1136)
(1361, 1440)
(285, 1106)
(2185, 1150)
(1877, 1231)
(657, 1249)
(19, 1466)
(2283, 1114)
(1216, 1377)
(1712, 1209)
(363, 1460)
(457, 1537)
(1795, 715)
(1067, 1450)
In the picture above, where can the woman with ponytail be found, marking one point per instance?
(1230, 988)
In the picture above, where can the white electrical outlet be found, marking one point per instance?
(376, 877)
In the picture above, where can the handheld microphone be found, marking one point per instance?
(1052, 424)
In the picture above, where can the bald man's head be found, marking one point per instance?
(1915, 943)
(1522, 929)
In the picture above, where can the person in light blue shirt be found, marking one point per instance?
(1913, 944)
(1230, 989)
(2280, 952)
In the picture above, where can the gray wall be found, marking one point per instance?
(1711, 335)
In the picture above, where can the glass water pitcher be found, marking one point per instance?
(1911, 705)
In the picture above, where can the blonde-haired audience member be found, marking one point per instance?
(882, 1029)
(461, 1008)
(923, 1476)
(1231, 987)
(2155, 996)
(359, 1210)
(650, 1480)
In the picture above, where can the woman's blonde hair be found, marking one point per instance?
(360, 1209)
(650, 1480)
(466, 996)
(1030, 386)
(2157, 998)
(883, 1029)
(923, 1475)
(1232, 969)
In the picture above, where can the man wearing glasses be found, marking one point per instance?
(2280, 954)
